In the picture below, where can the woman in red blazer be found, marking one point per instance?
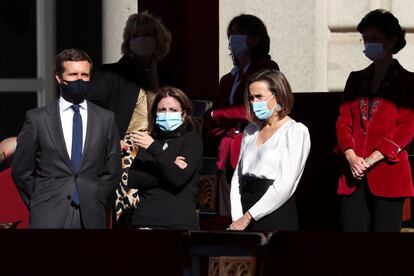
(249, 45)
(375, 124)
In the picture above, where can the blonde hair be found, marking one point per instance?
(154, 26)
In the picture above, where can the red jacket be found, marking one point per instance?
(388, 126)
(228, 121)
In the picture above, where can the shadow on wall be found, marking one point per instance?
(318, 204)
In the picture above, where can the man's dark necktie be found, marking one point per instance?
(76, 146)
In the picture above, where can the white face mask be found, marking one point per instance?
(238, 45)
(143, 46)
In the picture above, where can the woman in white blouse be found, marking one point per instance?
(273, 155)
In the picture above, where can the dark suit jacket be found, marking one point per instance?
(116, 86)
(44, 176)
(168, 194)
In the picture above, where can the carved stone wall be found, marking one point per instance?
(315, 42)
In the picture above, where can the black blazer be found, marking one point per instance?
(168, 194)
(44, 176)
(116, 87)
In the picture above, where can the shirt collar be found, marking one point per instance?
(65, 105)
(236, 69)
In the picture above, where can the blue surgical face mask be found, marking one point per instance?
(261, 111)
(374, 51)
(238, 45)
(168, 121)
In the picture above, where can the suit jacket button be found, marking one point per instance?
(69, 197)
(365, 133)
(76, 176)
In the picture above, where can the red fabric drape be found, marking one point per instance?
(12, 207)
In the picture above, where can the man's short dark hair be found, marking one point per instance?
(70, 55)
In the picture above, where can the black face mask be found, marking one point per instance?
(75, 90)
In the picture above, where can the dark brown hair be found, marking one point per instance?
(387, 23)
(278, 85)
(154, 27)
(70, 55)
(181, 97)
(252, 25)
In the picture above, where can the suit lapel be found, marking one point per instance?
(54, 127)
(91, 132)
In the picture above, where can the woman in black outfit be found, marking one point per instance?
(166, 171)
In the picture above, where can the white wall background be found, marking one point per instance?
(315, 42)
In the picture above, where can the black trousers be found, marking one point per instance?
(362, 211)
(284, 218)
(224, 187)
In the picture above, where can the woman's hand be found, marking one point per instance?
(124, 146)
(179, 161)
(241, 223)
(358, 164)
(142, 139)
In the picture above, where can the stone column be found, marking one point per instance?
(46, 30)
(114, 16)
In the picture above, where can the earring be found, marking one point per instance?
(278, 107)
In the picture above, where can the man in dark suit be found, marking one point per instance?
(67, 162)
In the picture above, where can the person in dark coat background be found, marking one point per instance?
(249, 45)
(127, 88)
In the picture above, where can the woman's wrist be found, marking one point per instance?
(370, 161)
(248, 216)
(349, 153)
(374, 158)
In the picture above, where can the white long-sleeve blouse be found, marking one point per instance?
(281, 158)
